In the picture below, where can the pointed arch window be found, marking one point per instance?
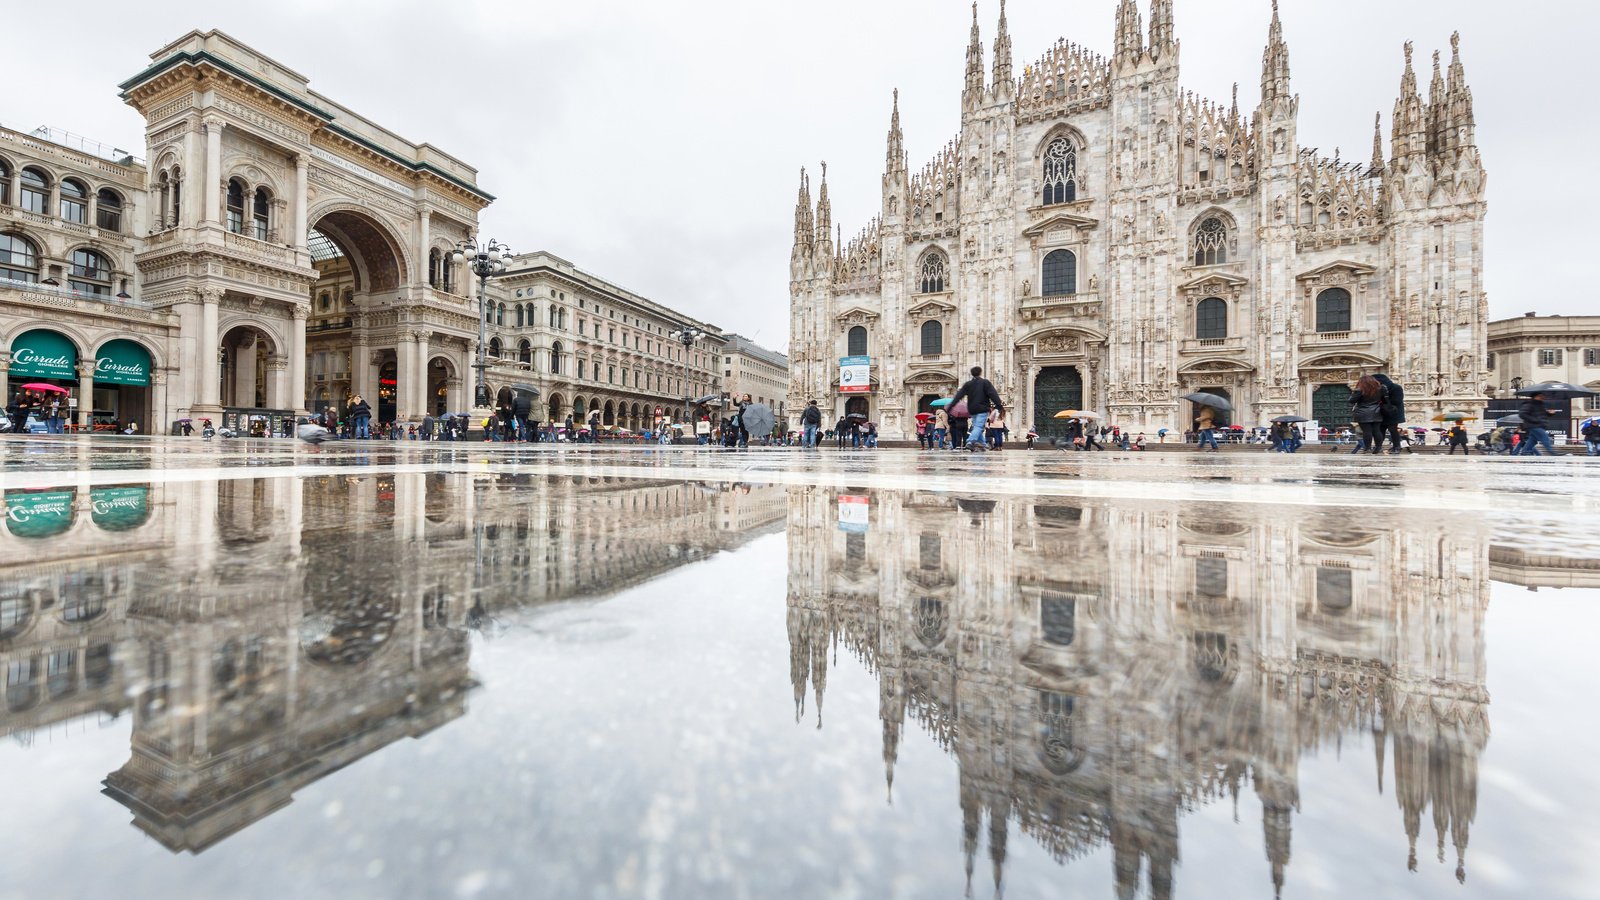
(1211, 243)
(260, 213)
(1333, 310)
(1060, 172)
(932, 338)
(1211, 319)
(856, 341)
(235, 206)
(1060, 274)
(933, 273)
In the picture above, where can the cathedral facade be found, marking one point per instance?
(1096, 237)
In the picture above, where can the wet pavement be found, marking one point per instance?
(421, 670)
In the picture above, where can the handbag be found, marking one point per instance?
(960, 411)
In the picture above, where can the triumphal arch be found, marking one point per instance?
(304, 247)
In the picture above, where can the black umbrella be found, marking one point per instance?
(861, 416)
(1510, 421)
(1289, 420)
(1555, 390)
(708, 400)
(529, 389)
(1211, 400)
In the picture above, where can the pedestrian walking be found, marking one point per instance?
(1591, 436)
(810, 421)
(1394, 411)
(1367, 403)
(1458, 438)
(978, 397)
(1205, 429)
(1536, 422)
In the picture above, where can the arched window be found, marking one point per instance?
(176, 216)
(1060, 274)
(1333, 310)
(91, 274)
(108, 210)
(235, 206)
(260, 212)
(434, 264)
(555, 358)
(525, 352)
(933, 272)
(494, 347)
(74, 201)
(500, 314)
(1211, 319)
(932, 338)
(35, 192)
(163, 190)
(857, 341)
(1060, 172)
(519, 315)
(5, 184)
(325, 301)
(19, 261)
(1211, 243)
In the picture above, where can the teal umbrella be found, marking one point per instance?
(940, 403)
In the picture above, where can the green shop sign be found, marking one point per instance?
(43, 354)
(122, 362)
(39, 515)
(121, 508)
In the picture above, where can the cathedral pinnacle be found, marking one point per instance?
(1377, 144)
(802, 213)
(1409, 129)
(1161, 30)
(1002, 56)
(824, 235)
(1275, 62)
(1459, 95)
(973, 92)
(1130, 42)
(896, 159)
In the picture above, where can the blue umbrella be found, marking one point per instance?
(941, 402)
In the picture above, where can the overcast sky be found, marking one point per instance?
(659, 144)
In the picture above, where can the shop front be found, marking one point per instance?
(259, 423)
(122, 385)
(116, 394)
(42, 356)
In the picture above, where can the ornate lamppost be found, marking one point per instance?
(686, 336)
(485, 262)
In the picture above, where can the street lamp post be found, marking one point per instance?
(686, 336)
(485, 262)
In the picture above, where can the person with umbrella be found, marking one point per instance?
(1536, 424)
(1590, 429)
(1458, 438)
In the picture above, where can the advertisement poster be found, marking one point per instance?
(853, 513)
(855, 374)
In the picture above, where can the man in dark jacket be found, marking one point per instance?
(981, 397)
(1536, 422)
(810, 421)
(360, 416)
(1591, 436)
(1394, 410)
(521, 409)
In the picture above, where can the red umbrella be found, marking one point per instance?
(41, 386)
(923, 417)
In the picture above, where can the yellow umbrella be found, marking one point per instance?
(1454, 417)
(1077, 414)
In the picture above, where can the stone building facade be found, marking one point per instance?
(278, 254)
(1098, 237)
(1533, 348)
(749, 368)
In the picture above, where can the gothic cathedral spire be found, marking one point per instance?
(1161, 30)
(824, 243)
(895, 161)
(1130, 42)
(972, 95)
(1002, 58)
(803, 231)
(1410, 127)
(1275, 63)
(1377, 145)
(1460, 119)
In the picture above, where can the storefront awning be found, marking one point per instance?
(39, 515)
(123, 362)
(41, 353)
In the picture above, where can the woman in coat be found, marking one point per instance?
(1368, 401)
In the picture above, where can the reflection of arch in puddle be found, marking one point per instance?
(1220, 526)
(16, 611)
(349, 631)
(244, 511)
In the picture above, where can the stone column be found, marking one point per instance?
(421, 402)
(159, 413)
(278, 383)
(296, 398)
(360, 361)
(301, 226)
(210, 368)
(5, 376)
(86, 395)
(453, 396)
(423, 239)
(212, 179)
(405, 352)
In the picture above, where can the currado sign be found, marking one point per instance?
(119, 509)
(43, 354)
(30, 515)
(123, 362)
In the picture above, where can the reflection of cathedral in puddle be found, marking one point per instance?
(266, 632)
(1096, 671)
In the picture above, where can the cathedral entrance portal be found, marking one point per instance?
(1219, 418)
(1055, 389)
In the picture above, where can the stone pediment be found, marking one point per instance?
(1344, 361)
(931, 309)
(1216, 365)
(856, 315)
(1339, 270)
(1059, 221)
(1058, 341)
(934, 377)
(1215, 283)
